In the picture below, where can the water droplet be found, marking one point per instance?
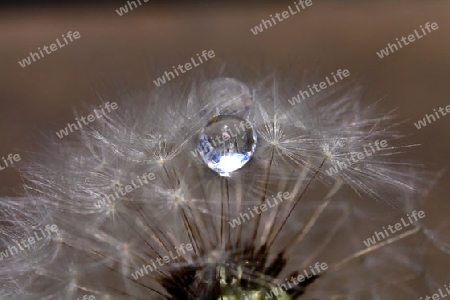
(228, 96)
(227, 143)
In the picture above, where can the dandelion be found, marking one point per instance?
(192, 200)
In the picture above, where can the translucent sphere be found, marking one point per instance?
(227, 143)
(230, 97)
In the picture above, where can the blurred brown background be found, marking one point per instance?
(121, 52)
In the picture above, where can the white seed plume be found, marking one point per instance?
(98, 249)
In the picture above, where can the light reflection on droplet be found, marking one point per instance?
(227, 143)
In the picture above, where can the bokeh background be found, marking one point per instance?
(117, 53)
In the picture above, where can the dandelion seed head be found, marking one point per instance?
(108, 251)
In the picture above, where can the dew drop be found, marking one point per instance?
(227, 143)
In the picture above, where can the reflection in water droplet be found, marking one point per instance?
(227, 143)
